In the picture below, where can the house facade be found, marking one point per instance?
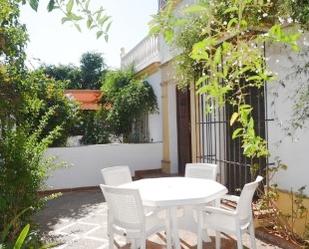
(152, 58)
(188, 134)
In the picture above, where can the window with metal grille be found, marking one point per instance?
(140, 130)
(214, 139)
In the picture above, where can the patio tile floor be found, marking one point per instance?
(77, 220)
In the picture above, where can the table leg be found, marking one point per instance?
(200, 228)
(169, 242)
(174, 227)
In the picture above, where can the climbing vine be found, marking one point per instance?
(222, 50)
(228, 54)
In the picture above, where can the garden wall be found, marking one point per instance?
(291, 150)
(85, 162)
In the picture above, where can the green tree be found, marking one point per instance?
(89, 75)
(67, 73)
(23, 170)
(13, 36)
(127, 99)
(95, 128)
(92, 68)
(46, 93)
(27, 103)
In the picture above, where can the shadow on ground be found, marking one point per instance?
(78, 220)
(68, 206)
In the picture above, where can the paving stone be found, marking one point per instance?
(78, 228)
(99, 219)
(100, 232)
(79, 221)
(85, 243)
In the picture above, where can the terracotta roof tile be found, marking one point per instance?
(88, 99)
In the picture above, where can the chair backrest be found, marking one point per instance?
(116, 175)
(125, 206)
(201, 170)
(244, 205)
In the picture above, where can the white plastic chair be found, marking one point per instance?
(233, 221)
(129, 218)
(201, 170)
(116, 175)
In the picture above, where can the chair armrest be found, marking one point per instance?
(216, 210)
(156, 211)
(233, 198)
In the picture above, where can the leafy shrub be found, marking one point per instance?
(95, 129)
(23, 170)
(114, 81)
(44, 93)
(25, 239)
(127, 99)
(92, 68)
(87, 76)
(28, 101)
(67, 73)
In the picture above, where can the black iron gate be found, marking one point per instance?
(215, 143)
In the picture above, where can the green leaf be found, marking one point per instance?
(232, 22)
(87, 4)
(99, 34)
(72, 17)
(231, 9)
(6, 230)
(34, 4)
(108, 27)
(234, 117)
(155, 29)
(51, 5)
(89, 22)
(199, 50)
(106, 37)
(217, 58)
(21, 238)
(168, 35)
(237, 132)
(103, 20)
(251, 124)
(243, 23)
(180, 22)
(245, 69)
(202, 80)
(196, 8)
(254, 78)
(65, 19)
(69, 6)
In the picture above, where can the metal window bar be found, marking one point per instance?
(215, 143)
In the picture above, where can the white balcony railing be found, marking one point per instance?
(143, 54)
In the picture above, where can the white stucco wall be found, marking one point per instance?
(292, 151)
(169, 52)
(155, 120)
(87, 161)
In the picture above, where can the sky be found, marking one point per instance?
(54, 43)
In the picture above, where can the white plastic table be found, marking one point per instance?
(173, 192)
